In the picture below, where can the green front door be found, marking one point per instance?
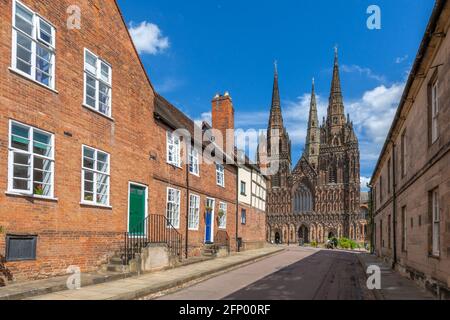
(136, 223)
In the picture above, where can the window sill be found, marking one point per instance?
(435, 257)
(16, 194)
(195, 174)
(175, 166)
(27, 77)
(193, 230)
(98, 112)
(94, 205)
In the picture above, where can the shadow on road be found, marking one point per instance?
(325, 275)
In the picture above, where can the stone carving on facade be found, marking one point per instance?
(320, 197)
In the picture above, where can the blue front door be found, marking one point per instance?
(208, 222)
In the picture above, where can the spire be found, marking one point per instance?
(312, 145)
(276, 118)
(336, 113)
(276, 90)
(336, 84)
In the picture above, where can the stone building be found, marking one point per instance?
(320, 197)
(410, 185)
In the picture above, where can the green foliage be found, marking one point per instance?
(39, 190)
(348, 244)
(2, 229)
(314, 244)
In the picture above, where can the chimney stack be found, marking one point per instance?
(223, 120)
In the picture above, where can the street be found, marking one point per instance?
(295, 274)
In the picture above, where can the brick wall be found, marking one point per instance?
(204, 186)
(253, 232)
(69, 233)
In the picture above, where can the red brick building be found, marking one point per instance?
(204, 183)
(76, 110)
(88, 150)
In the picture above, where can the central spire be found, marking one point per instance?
(276, 90)
(312, 145)
(276, 117)
(336, 112)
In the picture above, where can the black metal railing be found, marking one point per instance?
(222, 239)
(155, 229)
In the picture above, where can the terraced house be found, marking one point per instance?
(410, 184)
(91, 164)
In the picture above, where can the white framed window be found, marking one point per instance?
(173, 149)
(220, 175)
(97, 83)
(194, 212)
(194, 167)
(95, 175)
(243, 217)
(434, 111)
(33, 48)
(31, 161)
(173, 208)
(222, 215)
(243, 188)
(436, 232)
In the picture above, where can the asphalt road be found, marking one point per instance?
(296, 274)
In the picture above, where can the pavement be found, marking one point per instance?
(393, 285)
(295, 274)
(144, 285)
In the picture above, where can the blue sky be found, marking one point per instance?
(195, 49)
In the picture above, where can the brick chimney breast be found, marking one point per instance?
(223, 120)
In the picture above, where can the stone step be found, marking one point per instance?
(116, 261)
(118, 268)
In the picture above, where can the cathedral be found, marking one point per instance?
(320, 197)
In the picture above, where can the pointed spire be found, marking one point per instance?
(313, 93)
(276, 117)
(336, 84)
(312, 144)
(276, 90)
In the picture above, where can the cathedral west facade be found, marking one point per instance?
(319, 198)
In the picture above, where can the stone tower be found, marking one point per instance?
(312, 145)
(278, 142)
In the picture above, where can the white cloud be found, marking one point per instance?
(363, 71)
(148, 38)
(204, 117)
(374, 112)
(364, 182)
(399, 60)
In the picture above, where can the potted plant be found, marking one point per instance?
(2, 229)
(39, 190)
(220, 215)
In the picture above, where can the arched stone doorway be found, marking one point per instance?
(277, 238)
(303, 234)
